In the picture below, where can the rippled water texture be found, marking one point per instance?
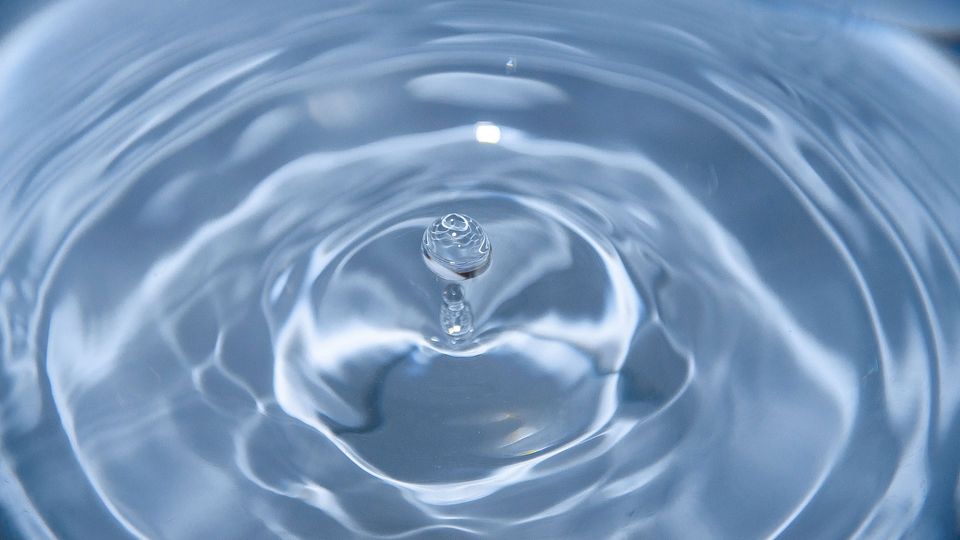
(721, 299)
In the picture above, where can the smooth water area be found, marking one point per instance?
(719, 295)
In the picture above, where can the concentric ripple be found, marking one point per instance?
(722, 304)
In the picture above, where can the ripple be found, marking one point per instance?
(724, 283)
(485, 91)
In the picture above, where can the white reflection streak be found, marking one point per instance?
(636, 480)
(487, 133)
(65, 321)
(819, 363)
(620, 317)
(166, 274)
(811, 186)
(476, 90)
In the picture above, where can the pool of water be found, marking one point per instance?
(722, 297)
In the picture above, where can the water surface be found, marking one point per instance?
(722, 300)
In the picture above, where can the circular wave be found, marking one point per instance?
(722, 301)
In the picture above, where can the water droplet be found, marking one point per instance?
(456, 317)
(455, 247)
(511, 65)
(453, 295)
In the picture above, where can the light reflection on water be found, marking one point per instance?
(723, 300)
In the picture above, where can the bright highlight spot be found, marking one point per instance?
(488, 133)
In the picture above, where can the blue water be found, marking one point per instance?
(722, 297)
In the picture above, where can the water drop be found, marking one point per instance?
(456, 317)
(455, 247)
(511, 65)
